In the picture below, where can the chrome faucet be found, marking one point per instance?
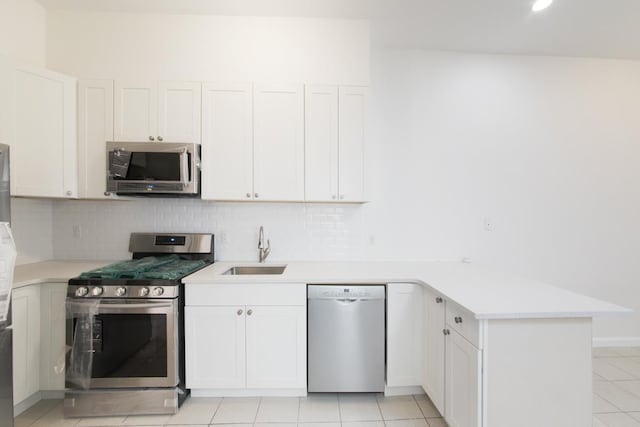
(263, 252)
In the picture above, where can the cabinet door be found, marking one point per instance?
(135, 111)
(179, 109)
(463, 382)
(52, 320)
(25, 306)
(352, 136)
(434, 349)
(44, 150)
(278, 143)
(215, 347)
(95, 127)
(321, 143)
(276, 347)
(227, 142)
(404, 334)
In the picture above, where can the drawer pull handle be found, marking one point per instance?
(249, 312)
(239, 312)
(458, 319)
(439, 300)
(446, 331)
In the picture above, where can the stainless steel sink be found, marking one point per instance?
(255, 270)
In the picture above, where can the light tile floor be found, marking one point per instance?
(616, 387)
(316, 410)
(616, 403)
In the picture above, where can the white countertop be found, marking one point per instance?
(52, 271)
(486, 294)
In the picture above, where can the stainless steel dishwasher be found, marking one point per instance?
(346, 338)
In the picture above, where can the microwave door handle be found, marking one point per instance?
(184, 167)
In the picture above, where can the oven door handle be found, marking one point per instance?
(133, 308)
(136, 305)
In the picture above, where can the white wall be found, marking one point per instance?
(22, 31)
(547, 148)
(191, 47)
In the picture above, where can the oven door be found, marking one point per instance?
(122, 343)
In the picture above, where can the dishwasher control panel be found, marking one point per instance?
(346, 291)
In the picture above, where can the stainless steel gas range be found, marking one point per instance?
(125, 328)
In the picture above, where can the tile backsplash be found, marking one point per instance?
(32, 225)
(100, 229)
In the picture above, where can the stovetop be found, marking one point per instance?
(160, 262)
(166, 267)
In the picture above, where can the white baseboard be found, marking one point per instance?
(403, 391)
(27, 403)
(617, 342)
(243, 392)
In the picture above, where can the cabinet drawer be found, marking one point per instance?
(246, 294)
(463, 321)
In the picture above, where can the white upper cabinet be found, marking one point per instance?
(136, 111)
(321, 143)
(227, 141)
(95, 127)
(352, 124)
(335, 133)
(278, 143)
(157, 111)
(44, 145)
(179, 110)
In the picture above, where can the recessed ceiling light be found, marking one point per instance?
(541, 5)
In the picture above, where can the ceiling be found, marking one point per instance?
(596, 28)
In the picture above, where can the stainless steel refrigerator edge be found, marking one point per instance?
(6, 338)
(346, 338)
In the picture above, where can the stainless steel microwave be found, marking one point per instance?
(153, 169)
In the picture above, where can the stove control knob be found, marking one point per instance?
(144, 291)
(158, 292)
(82, 291)
(97, 291)
(121, 291)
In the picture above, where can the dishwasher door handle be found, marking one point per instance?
(347, 300)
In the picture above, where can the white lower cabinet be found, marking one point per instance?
(25, 305)
(463, 382)
(452, 362)
(215, 349)
(52, 342)
(276, 347)
(434, 349)
(404, 334)
(246, 345)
